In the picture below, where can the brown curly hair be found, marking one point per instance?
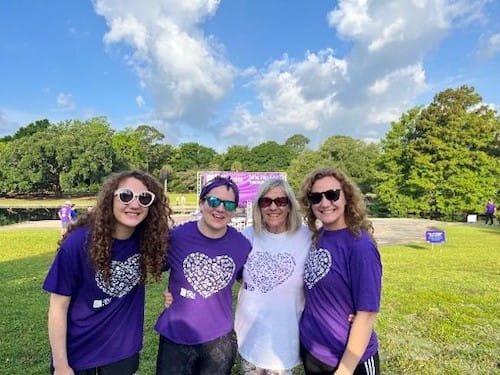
(153, 230)
(355, 214)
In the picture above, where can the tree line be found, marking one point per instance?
(442, 158)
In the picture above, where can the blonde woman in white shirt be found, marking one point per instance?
(271, 297)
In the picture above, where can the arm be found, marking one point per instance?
(357, 342)
(58, 316)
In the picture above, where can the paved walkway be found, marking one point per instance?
(387, 231)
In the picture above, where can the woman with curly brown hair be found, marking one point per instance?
(96, 312)
(342, 276)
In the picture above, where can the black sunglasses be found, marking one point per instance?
(215, 202)
(331, 195)
(126, 196)
(266, 202)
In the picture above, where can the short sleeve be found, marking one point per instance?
(366, 275)
(64, 273)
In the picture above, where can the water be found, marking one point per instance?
(18, 215)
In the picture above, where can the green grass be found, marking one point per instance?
(440, 307)
(80, 202)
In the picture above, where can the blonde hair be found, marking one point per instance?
(355, 214)
(293, 219)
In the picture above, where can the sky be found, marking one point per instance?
(242, 72)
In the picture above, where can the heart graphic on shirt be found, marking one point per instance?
(208, 275)
(124, 277)
(267, 271)
(318, 264)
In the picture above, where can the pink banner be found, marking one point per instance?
(248, 182)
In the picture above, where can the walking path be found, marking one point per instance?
(387, 231)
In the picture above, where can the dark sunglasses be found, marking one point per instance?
(215, 202)
(266, 202)
(126, 196)
(331, 195)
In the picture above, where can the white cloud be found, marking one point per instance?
(489, 46)
(361, 93)
(140, 101)
(184, 70)
(65, 102)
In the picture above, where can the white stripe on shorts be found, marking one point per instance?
(370, 366)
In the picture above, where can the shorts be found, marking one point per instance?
(209, 358)
(127, 366)
(314, 366)
(249, 368)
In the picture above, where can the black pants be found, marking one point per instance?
(127, 366)
(489, 217)
(314, 366)
(213, 357)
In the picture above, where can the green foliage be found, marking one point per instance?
(28, 130)
(439, 310)
(269, 157)
(297, 143)
(237, 153)
(192, 156)
(442, 157)
(355, 157)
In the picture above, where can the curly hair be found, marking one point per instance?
(355, 214)
(153, 230)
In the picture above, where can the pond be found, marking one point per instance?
(17, 215)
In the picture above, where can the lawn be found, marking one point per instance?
(440, 307)
(80, 202)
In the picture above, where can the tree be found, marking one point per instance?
(443, 155)
(28, 130)
(69, 156)
(354, 156)
(192, 156)
(236, 153)
(269, 157)
(297, 143)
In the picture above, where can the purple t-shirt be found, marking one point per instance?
(105, 321)
(202, 273)
(490, 208)
(342, 275)
(65, 214)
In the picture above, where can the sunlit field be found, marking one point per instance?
(439, 309)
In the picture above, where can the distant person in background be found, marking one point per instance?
(490, 211)
(64, 214)
(271, 298)
(96, 281)
(74, 213)
(343, 275)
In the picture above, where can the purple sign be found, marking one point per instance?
(248, 182)
(435, 236)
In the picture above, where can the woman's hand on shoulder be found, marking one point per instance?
(168, 299)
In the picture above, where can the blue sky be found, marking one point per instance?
(242, 71)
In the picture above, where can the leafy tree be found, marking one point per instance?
(269, 157)
(139, 148)
(441, 158)
(355, 157)
(297, 143)
(69, 156)
(236, 166)
(236, 153)
(28, 130)
(192, 156)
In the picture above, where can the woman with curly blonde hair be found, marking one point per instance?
(342, 276)
(96, 282)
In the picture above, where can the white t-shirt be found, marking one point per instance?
(271, 298)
